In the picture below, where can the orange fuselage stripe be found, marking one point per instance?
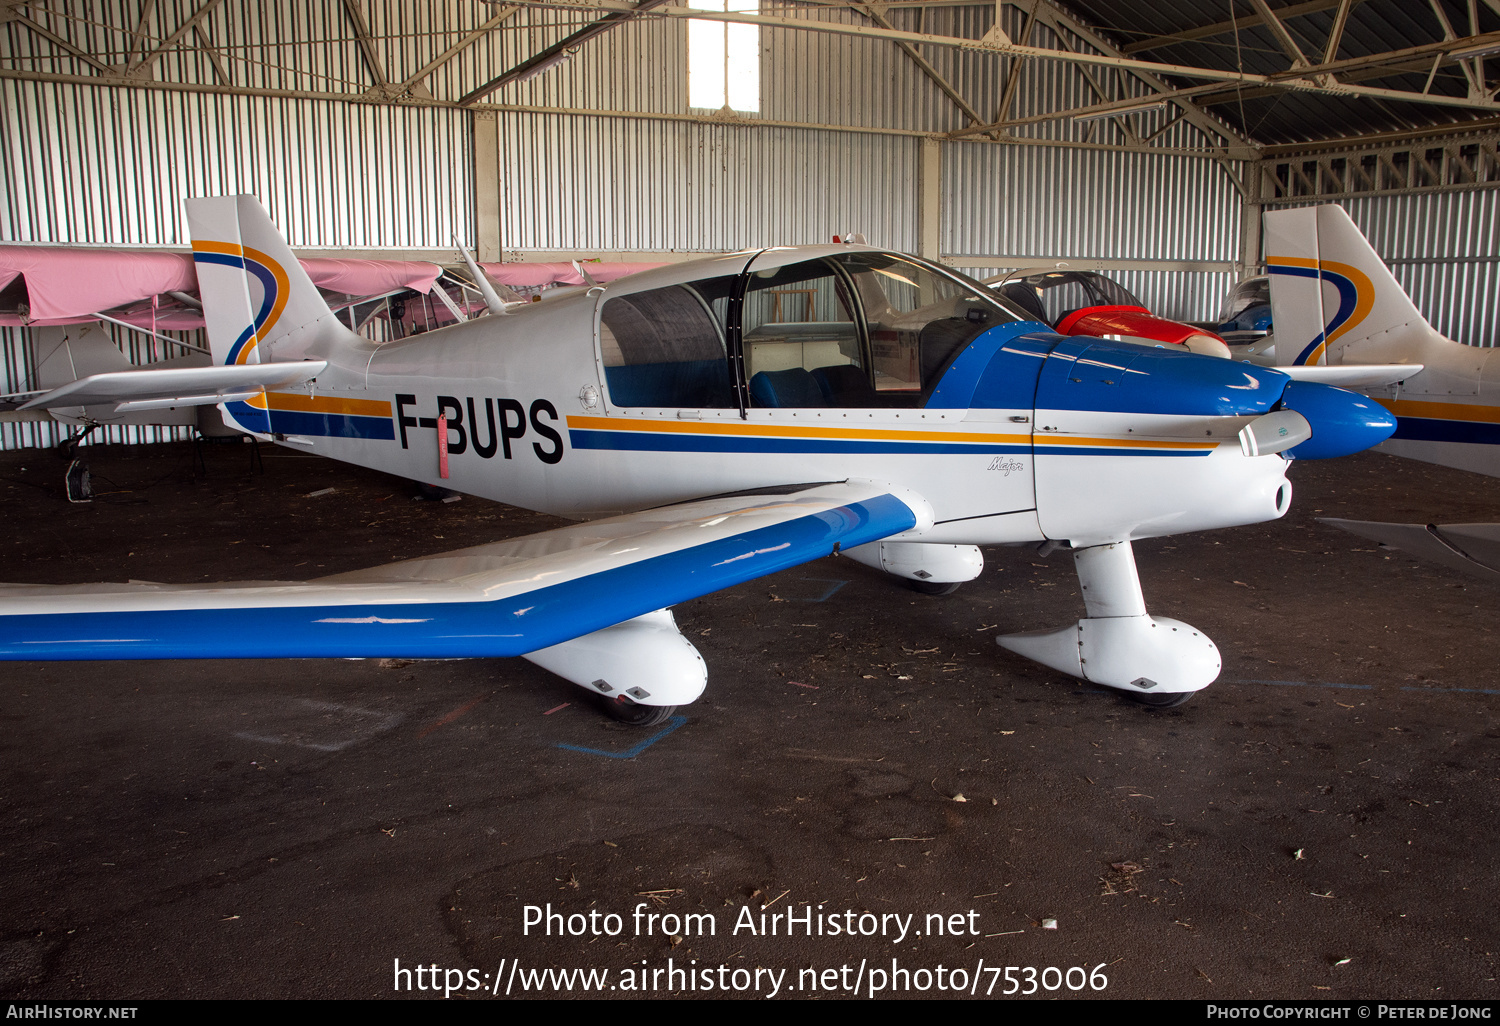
(875, 434)
(1476, 412)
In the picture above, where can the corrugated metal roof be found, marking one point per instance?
(1272, 117)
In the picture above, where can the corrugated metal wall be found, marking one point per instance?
(112, 166)
(99, 166)
(594, 183)
(1444, 249)
(92, 165)
(1046, 201)
(574, 181)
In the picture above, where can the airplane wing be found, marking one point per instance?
(1352, 375)
(504, 599)
(1474, 548)
(176, 386)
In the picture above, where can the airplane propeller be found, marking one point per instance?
(1274, 432)
(1342, 422)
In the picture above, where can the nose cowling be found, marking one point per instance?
(1120, 377)
(1343, 422)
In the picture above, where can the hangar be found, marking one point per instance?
(241, 832)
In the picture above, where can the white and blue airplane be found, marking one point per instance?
(711, 422)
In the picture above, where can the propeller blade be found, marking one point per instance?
(1274, 432)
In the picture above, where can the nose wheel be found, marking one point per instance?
(1118, 644)
(933, 587)
(628, 711)
(1167, 700)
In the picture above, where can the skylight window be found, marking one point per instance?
(724, 59)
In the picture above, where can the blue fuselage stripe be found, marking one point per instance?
(1077, 450)
(1424, 429)
(501, 627)
(335, 425)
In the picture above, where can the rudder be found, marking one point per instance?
(259, 305)
(1329, 288)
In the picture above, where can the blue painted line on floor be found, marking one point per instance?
(835, 585)
(632, 752)
(1462, 691)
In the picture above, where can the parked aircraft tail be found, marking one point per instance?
(259, 305)
(1333, 300)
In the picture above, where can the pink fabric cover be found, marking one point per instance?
(67, 282)
(532, 275)
(69, 285)
(72, 285)
(370, 277)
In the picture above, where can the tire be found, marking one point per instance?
(433, 493)
(623, 710)
(1166, 700)
(933, 587)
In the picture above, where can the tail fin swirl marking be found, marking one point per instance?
(273, 279)
(1356, 299)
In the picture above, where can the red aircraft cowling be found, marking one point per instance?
(1128, 320)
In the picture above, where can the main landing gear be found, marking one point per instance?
(1157, 662)
(638, 671)
(927, 567)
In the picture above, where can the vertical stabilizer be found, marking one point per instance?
(259, 304)
(1332, 297)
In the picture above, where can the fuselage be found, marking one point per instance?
(702, 379)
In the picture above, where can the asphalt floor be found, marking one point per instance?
(1322, 822)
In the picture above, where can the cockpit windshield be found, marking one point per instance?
(846, 329)
(919, 317)
(1053, 295)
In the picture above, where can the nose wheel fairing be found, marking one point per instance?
(1118, 644)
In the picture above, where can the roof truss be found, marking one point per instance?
(1121, 76)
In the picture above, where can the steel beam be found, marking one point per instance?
(207, 45)
(1303, 80)
(487, 184)
(187, 26)
(1278, 30)
(923, 65)
(1013, 76)
(542, 58)
(60, 42)
(459, 47)
(1335, 37)
(1198, 118)
(366, 44)
(916, 38)
(140, 32)
(929, 198)
(1221, 28)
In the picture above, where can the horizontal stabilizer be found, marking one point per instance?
(1474, 548)
(1353, 375)
(503, 599)
(183, 386)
